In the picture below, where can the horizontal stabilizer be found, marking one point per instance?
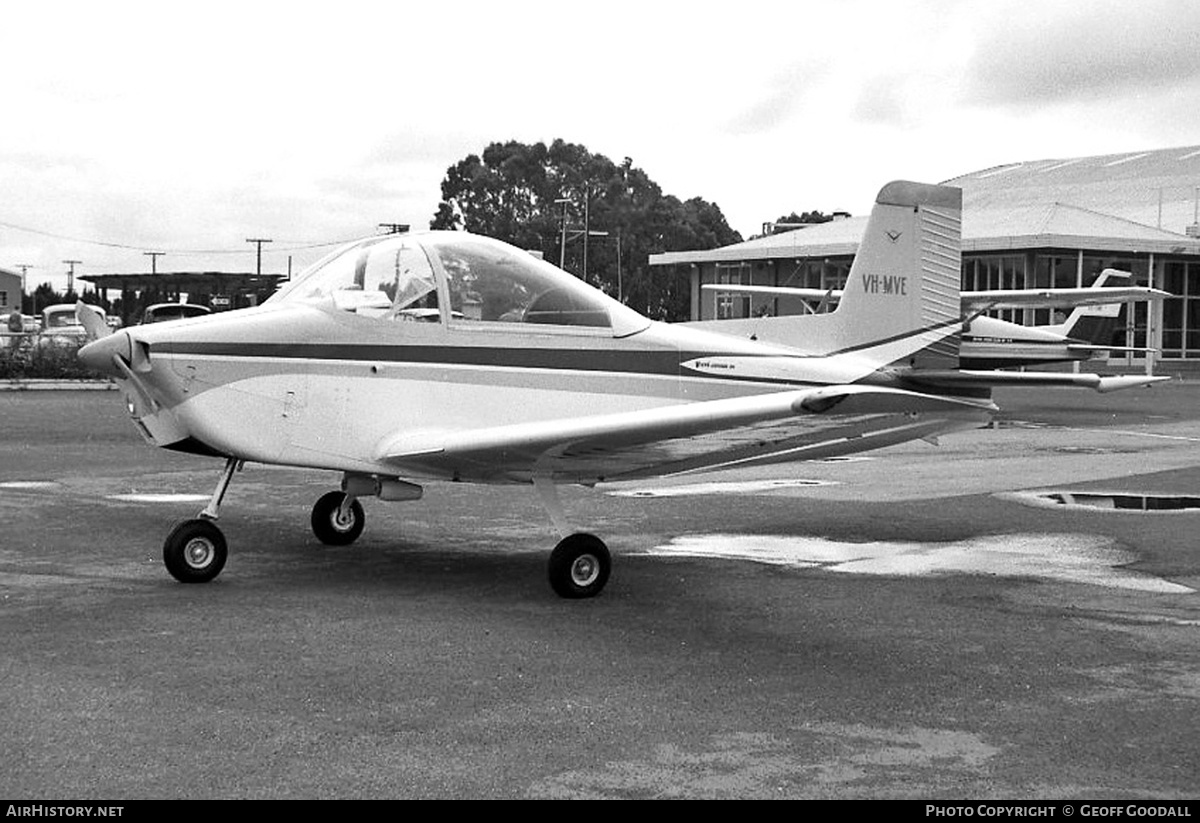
(992, 379)
(1087, 347)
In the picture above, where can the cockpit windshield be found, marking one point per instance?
(457, 278)
(384, 276)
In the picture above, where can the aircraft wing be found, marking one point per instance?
(979, 301)
(974, 302)
(792, 425)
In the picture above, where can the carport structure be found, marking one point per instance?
(217, 290)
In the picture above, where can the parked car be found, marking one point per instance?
(60, 326)
(172, 311)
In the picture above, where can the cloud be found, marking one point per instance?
(1084, 53)
(781, 99)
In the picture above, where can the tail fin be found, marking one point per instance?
(901, 304)
(1094, 323)
(903, 288)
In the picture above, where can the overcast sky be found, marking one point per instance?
(170, 127)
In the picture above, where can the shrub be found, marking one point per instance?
(33, 357)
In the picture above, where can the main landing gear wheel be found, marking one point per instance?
(195, 551)
(579, 566)
(332, 525)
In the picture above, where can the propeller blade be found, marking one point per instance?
(92, 321)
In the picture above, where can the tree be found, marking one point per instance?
(794, 221)
(535, 195)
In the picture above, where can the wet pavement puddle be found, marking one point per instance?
(1076, 558)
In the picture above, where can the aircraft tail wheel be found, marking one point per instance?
(329, 524)
(579, 566)
(195, 551)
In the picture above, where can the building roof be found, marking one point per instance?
(1141, 202)
(1154, 188)
(185, 281)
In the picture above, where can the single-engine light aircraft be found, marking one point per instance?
(449, 356)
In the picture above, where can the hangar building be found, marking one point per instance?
(1033, 224)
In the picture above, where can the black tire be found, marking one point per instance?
(195, 551)
(329, 528)
(579, 566)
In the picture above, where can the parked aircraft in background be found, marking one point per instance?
(991, 343)
(449, 356)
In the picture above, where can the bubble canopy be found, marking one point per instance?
(456, 278)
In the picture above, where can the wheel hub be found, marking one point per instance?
(198, 553)
(585, 570)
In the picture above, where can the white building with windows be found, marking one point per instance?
(1034, 224)
(10, 291)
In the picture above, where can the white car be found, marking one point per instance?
(172, 311)
(60, 326)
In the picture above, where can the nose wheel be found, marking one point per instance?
(195, 551)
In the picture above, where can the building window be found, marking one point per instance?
(731, 304)
(992, 272)
(1181, 312)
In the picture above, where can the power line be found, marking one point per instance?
(296, 245)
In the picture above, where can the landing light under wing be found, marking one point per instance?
(688, 437)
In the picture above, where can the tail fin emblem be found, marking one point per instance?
(894, 235)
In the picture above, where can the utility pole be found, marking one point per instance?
(71, 274)
(259, 242)
(154, 255)
(562, 249)
(25, 267)
(620, 295)
(587, 207)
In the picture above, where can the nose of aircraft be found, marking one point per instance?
(98, 355)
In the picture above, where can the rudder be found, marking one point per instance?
(903, 291)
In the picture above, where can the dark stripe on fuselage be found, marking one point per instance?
(662, 362)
